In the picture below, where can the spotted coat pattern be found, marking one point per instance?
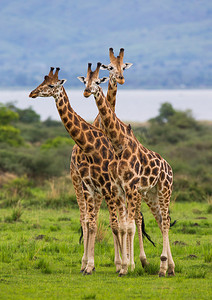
(141, 171)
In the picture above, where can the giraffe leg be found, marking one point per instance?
(86, 241)
(117, 259)
(91, 230)
(138, 221)
(171, 264)
(160, 212)
(131, 200)
(77, 183)
(165, 231)
(128, 250)
(123, 234)
(111, 204)
(131, 234)
(166, 256)
(133, 204)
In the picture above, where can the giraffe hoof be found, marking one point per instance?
(171, 273)
(94, 269)
(118, 268)
(161, 274)
(87, 273)
(82, 270)
(144, 263)
(121, 275)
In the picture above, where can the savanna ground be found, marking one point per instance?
(40, 256)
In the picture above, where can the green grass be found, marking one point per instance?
(40, 257)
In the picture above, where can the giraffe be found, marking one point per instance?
(141, 172)
(116, 68)
(92, 169)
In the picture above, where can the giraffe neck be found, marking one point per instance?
(79, 130)
(111, 92)
(115, 130)
(111, 98)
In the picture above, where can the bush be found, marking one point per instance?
(57, 142)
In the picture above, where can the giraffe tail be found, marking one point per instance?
(144, 234)
(173, 223)
(81, 236)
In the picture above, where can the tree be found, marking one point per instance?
(27, 115)
(7, 115)
(8, 133)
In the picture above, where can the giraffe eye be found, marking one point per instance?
(51, 86)
(110, 68)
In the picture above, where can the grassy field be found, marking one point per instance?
(40, 257)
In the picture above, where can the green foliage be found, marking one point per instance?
(16, 214)
(208, 253)
(199, 273)
(57, 142)
(45, 148)
(18, 187)
(186, 144)
(171, 126)
(44, 266)
(10, 135)
(7, 115)
(27, 115)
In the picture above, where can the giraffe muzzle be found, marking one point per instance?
(120, 80)
(32, 95)
(87, 93)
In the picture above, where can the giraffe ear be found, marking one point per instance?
(127, 66)
(104, 67)
(81, 78)
(104, 79)
(62, 81)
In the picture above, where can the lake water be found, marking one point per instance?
(132, 105)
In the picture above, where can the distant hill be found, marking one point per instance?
(169, 42)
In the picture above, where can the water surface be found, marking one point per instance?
(132, 105)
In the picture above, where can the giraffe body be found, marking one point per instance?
(142, 173)
(89, 168)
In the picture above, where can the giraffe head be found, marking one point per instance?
(116, 66)
(49, 86)
(92, 80)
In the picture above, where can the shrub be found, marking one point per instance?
(10, 135)
(16, 214)
(57, 142)
(18, 187)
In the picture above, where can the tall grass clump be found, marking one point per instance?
(197, 273)
(60, 193)
(102, 232)
(15, 190)
(207, 253)
(44, 266)
(16, 214)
